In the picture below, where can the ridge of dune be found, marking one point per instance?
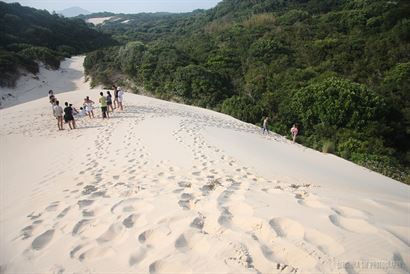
(168, 188)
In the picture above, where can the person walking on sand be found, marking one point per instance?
(120, 98)
(114, 87)
(109, 102)
(88, 105)
(294, 131)
(58, 113)
(68, 116)
(103, 104)
(265, 126)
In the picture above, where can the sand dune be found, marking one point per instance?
(168, 188)
(98, 20)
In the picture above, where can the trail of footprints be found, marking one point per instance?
(112, 210)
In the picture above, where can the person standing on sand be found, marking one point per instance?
(51, 96)
(88, 105)
(68, 116)
(114, 87)
(120, 97)
(109, 102)
(58, 113)
(103, 104)
(265, 125)
(294, 131)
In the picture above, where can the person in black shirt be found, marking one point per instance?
(109, 102)
(68, 116)
(115, 96)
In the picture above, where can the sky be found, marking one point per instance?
(120, 6)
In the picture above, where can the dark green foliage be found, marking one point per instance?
(338, 68)
(49, 57)
(30, 35)
(199, 85)
(339, 103)
(242, 108)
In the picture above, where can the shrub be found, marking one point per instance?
(48, 57)
(337, 102)
(328, 147)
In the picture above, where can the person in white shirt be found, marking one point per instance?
(58, 113)
(88, 105)
(120, 98)
(81, 113)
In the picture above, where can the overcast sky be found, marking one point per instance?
(120, 6)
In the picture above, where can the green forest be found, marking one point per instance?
(29, 36)
(340, 69)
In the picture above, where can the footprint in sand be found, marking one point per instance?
(192, 240)
(352, 224)
(88, 252)
(137, 256)
(349, 212)
(287, 228)
(164, 266)
(112, 233)
(198, 223)
(155, 237)
(42, 240)
(85, 203)
(52, 207)
(28, 231)
(186, 201)
(238, 255)
(63, 213)
(136, 220)
(323, 242)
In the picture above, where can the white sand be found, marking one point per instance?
(167, 188)
(98, 20)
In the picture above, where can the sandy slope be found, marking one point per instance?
(167, 188)
(98, 20)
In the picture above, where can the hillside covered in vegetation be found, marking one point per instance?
(29, 35)
(340, 69)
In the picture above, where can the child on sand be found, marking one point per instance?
(68, 116)
(58, 113)
(82, 112)
(88, 105)
(294, 131)
(265, 126)
(103, 104)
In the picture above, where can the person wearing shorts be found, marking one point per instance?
(103, 104)
(58, 113)
(114, 87)
(294, 131)
(68, 116)
(265, 125)
(109, 102)
(88, 105)
(120, 98)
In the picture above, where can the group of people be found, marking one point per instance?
(67, 114)
(293, 131)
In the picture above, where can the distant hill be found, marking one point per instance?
(73, 11)
(29, 35)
